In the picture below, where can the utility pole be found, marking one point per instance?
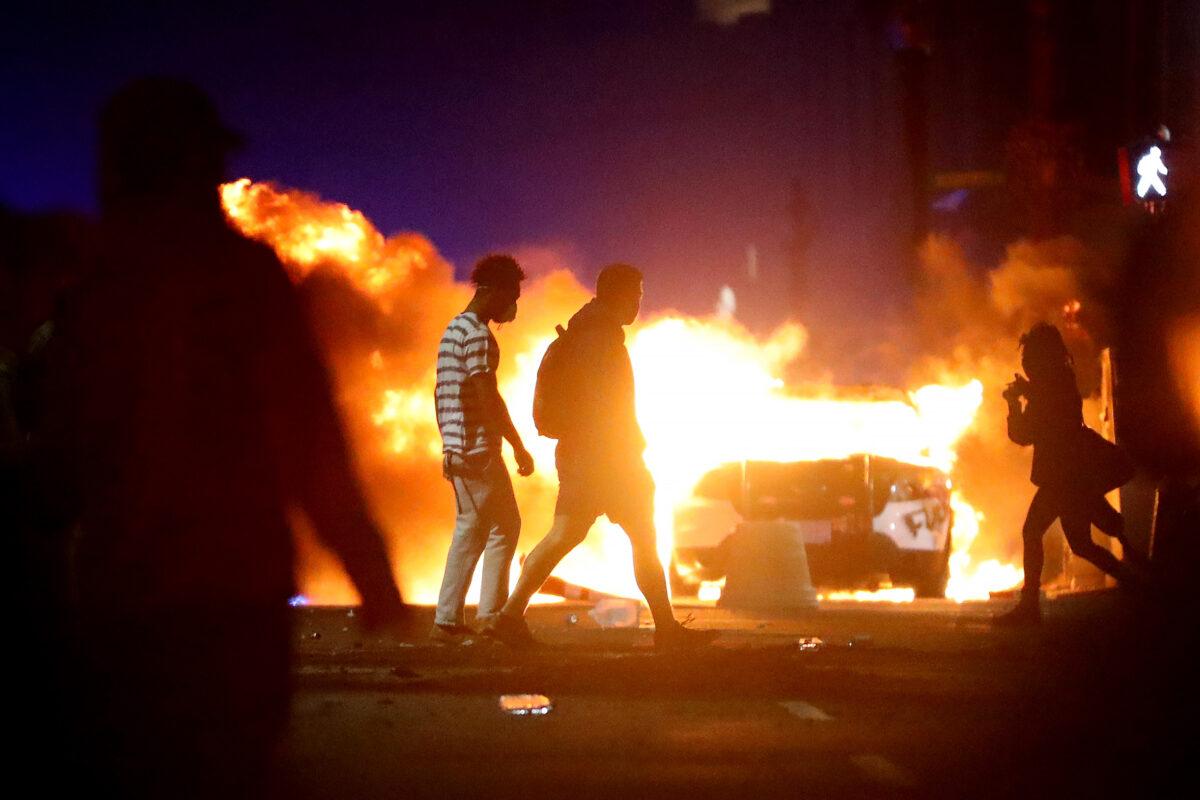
(908, 33)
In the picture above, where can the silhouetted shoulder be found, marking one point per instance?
(256, 274)
(257, 261)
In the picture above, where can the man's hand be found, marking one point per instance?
(1015, 390)
(524, 462)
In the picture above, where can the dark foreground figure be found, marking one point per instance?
(586, 401)
(187, 412)
(39, 256)
(1073, 468)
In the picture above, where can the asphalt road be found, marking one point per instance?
(917, 700)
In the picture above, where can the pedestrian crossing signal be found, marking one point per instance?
(1145, 171)
(1150, 169)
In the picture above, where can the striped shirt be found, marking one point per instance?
(467, 348)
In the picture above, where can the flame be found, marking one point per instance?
(1183, 347)
(708, 393)
(974, 581)
(891, 594)
(710, 591)
(307, 232)
(1070, 313)
(407, 417)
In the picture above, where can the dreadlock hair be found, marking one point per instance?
(497, 269)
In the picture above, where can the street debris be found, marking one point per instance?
(523, 705)
(616, 613)
(810, 644)
(805, 711)
(883, 771)
(572, 591)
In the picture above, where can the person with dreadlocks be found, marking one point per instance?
(474, 422)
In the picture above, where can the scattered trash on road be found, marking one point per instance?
(572, 619)
(573, 591)
(522, 705)
(806, 711)
(616, 613)
(883, 771)
(810, 644)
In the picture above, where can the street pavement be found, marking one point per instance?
(924, 699)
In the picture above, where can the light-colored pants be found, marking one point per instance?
(488, 525)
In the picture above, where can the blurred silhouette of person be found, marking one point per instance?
(189, 413)
(14, 336)
(40, 254)
(1073, 468)
(591, 411)
(474, 420)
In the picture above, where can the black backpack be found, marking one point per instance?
(553, 391)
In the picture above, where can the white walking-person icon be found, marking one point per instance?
(1149, 167)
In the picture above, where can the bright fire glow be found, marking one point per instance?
(974, 581)
(709, 393)
(894, 594)
(306, 233)
(1183, 347)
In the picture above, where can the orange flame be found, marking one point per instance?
(307, 232)
(709, 393)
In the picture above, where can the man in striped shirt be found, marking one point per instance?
(473, 420)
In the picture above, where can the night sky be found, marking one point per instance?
(608, 131)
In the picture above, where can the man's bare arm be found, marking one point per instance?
(483, 384)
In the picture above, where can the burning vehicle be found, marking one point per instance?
(858, 517)
(712, 400)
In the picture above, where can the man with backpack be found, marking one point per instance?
(585, 399)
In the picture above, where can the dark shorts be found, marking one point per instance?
(619, 488)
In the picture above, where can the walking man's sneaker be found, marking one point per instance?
(680, 639)
(1024, 613)
(510, 630)
(450, 634)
